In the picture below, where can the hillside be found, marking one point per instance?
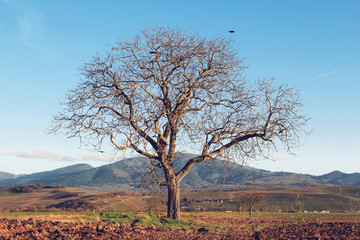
(39, 197)
(126, 174)
(5, 175)
(44, 177)
(339, 178)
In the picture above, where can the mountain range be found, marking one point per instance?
(125, 175)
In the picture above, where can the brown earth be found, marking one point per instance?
(330, 230)
(269, 229)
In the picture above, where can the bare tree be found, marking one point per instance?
(167, 89)
(250, 200)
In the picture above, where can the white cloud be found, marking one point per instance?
(96, 157)
(3, 152)
(40, 153)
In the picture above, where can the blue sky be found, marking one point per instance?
(311, 44)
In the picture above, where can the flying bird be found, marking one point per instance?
(152, 52)
(231, 31)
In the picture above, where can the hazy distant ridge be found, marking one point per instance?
(5, 175)
(44, 177)
(126, 175)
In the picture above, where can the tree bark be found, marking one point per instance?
(173, 205)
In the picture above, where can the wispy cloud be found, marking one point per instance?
(30, 23)
(96, 157)
(2, 152)
(40, 153)
(281, 158)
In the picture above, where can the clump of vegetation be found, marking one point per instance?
(142, 219)
(77, 205)
(32, 188)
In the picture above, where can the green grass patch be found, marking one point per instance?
(143, 219)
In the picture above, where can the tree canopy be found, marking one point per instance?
(168, 88)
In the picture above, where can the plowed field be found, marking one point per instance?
(43, 229)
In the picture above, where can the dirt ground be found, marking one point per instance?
(247, 228)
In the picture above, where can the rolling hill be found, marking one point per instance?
(5, 175)
(126, 174)
(43, 177)
(339, 178)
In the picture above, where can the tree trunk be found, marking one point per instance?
(173, 205)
